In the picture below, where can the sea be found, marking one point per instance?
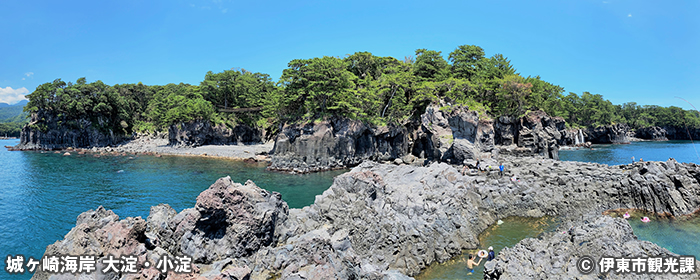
(42, 193)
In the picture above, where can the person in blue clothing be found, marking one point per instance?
(500, 169)
(492, 255)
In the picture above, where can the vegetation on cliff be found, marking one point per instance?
(362, 86)
(12, 119)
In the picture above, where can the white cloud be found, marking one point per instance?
(629, 15)
(12, 96)
(28, 74)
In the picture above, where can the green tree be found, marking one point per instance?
(430, 65)
(467, 61)
(318, 87)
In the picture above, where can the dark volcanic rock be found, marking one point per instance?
(651, 133)
(229, 220)
(454, 134)
(506, 130)
(198, 133)
(609, 134)
(682, 133)
(44, 133)
(555, 254)
(336, 143)
(541, 134)
(382, 221)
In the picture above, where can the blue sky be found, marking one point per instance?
(642, 51)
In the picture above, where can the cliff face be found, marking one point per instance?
(198, 133)
(335, 143)
(49, 135)
(449, 135)
(682, 133)
(609, 134)
(385, 222)
(651, 133)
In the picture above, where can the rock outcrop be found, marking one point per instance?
(541, 134)
(452, 134)
(335, 143)
(651, 133)
(609, 134)
(555, 255)
(682, 133)
(198, 133)
(44, 133)
(378, 221)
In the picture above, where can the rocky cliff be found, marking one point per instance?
(682, 133)
(46, 132)
(335, 143)
(198, 133)
(651, 133)
(452, 134)
(609, 134)
(377, 221)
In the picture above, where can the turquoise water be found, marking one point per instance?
(41, 194)
(682, 151)
(681, 236)
(498, 236)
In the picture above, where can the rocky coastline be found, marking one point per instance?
(451, 134)
(387, 221)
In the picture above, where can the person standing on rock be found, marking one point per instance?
(632, 159)
(471, 263)
(500, 168)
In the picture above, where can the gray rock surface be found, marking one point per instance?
(383, 221)
(452, 134)
(198, 133)
(336, 143)
(555, 255)
(609, 134)
(43, 132)
(651, 133)
(682, 133)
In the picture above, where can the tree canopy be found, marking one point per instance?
(362, 86)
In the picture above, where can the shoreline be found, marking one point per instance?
(160, 147)
(403, 210)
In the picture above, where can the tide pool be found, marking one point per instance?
(498, 236)
(42, 194)
(680, 235)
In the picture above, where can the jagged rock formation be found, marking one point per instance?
(43, 132)
(682, 133)
(555, 254)
(198, 133)
(335, 143)
(609, 134)
(450, 134)
(541, 134)
(453, 134)
(378, 221)
(651, 133)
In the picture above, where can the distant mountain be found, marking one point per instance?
(13, 113)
